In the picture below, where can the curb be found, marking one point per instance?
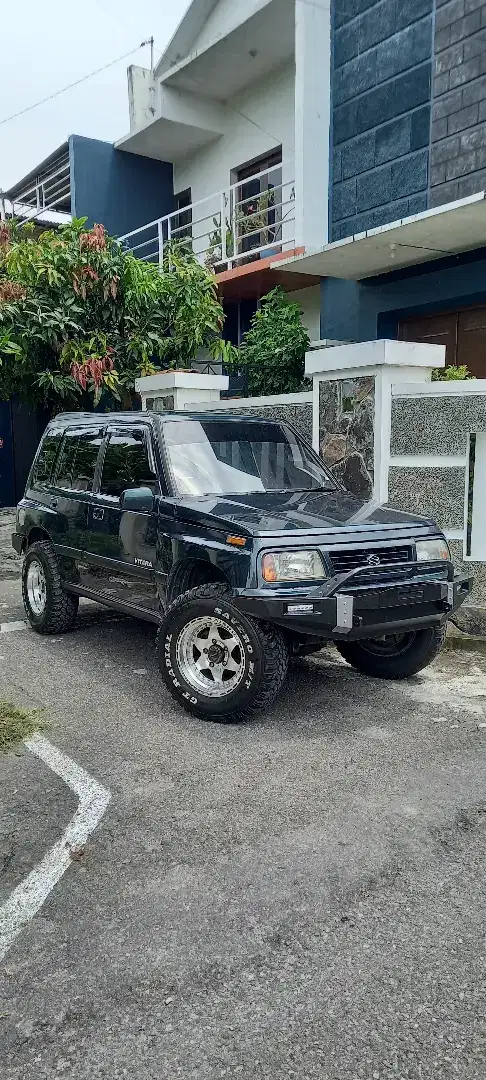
(460, 641)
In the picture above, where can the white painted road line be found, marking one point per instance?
(8, 627)
(27, 899)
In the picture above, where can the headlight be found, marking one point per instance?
(432, 550)
(292, 566)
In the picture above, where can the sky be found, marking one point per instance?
(55, 43)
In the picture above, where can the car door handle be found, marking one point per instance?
(54, 503)
(98, 513)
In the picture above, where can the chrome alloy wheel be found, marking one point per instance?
(210, 656)
(36, 587)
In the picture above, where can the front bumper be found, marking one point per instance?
(362, 605)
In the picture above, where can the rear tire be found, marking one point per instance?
(218, 664)
(395, 656)
(49, 609)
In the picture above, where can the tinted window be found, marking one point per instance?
(127, 464)
(77, 461)
(44, 464)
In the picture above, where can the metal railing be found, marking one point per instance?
(49, 193)
(228, 228)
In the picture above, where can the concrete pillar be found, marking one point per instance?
(352, 406)
(178, 391)
(312, 122)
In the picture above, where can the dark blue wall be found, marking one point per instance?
(7, 481)
(381, 96)
(365, 310)
(118, 190)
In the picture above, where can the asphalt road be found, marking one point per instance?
(298, 898)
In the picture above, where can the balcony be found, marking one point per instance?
(248, 222)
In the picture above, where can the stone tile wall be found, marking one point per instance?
(436, 493)
(346, 431)
(436, 425)
(458, 143)
(381, 88)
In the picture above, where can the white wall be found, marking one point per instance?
(312, 121)
(268, 122)
(309, 301)
(141, 97)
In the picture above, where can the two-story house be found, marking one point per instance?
(239, 104)
(353, 132)
(334, 147)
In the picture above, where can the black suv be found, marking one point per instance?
(230, 534)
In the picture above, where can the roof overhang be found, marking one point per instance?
(256, 45)
(253, 280)
(45, 188)
(166, 140)
(435, 234)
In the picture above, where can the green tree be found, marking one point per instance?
(81, 318)
(273, 350)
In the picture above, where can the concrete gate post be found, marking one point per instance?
(352, 406)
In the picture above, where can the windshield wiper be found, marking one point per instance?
(297, 491)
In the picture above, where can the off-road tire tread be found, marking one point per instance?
(425, 648)
(274, 651)
(63, 607)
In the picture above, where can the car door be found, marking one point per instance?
(69, 492)
(120, 556)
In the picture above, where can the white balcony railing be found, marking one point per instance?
(229, 228)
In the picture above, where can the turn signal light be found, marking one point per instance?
(237, 541)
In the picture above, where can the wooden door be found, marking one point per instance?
(471, 341)
(433, 330)
(462, 332)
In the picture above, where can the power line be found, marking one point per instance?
(76, 83)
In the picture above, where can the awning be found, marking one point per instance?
(446, 230)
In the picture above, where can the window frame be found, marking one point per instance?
(121, 430)
(33, 484)
(74, 431)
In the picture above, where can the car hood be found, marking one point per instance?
(274, 512)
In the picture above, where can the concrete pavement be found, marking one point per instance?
(10, 564)
(297, 898)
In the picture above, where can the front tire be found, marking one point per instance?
(396, 656)
(49, 609)
(217, 663)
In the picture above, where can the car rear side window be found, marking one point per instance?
(127, 464)
(46, 459)
(77, 460)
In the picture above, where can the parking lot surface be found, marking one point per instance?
(301, 897)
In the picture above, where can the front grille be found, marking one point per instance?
(344, 560)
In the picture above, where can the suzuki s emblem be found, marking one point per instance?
(373, 560)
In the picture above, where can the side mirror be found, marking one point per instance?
(139, 500)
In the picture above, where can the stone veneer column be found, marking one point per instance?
(352, 406)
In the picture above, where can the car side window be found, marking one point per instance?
(127, 463)
(78, 458)
(46, 458)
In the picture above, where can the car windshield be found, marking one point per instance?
(221, 457)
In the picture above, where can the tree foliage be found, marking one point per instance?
(81, 318)
(273, 350)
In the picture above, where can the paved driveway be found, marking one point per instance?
(302, 897)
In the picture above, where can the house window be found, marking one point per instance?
(257, 208)
(182, 218)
